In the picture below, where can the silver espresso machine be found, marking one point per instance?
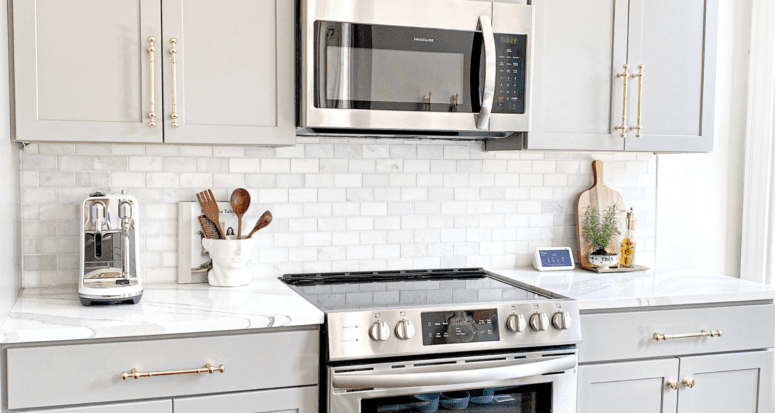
(110, 262)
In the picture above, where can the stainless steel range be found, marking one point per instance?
(452, 339)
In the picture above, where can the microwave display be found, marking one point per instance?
(510, 85)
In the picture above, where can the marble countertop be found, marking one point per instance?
(661, 285)
(56, 314)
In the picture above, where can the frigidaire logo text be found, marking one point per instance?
(422, 39)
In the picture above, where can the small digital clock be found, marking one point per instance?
(553, 259)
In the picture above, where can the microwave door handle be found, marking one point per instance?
(453, 376)
(483, 119)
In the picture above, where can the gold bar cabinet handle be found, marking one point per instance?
(703, 333)
(209, 368)
(639, 75)
(688, 382)
(174, 52)
(673, 384)
(151, 112)
(623, 128)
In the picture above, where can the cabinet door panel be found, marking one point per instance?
(580, 46)
(675, 41)
(737, 382)
(81, 70)
(293, 400)
(632, 387)
(234, 71)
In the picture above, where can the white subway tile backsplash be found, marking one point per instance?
(338, 203)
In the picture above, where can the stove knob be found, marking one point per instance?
(404, 330)
(539, 322)
(516, 323)
(379, 331)
(561, 320)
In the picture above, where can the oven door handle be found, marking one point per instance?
(483, 119)
(453, 376)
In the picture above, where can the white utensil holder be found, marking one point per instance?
(230, 259)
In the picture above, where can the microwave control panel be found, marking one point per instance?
(511, 52)
(451, 327)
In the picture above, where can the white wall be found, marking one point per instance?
(700, 196)
(10, 270)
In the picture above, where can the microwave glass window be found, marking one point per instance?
(535, 398)
(397, 68)
(395, 76)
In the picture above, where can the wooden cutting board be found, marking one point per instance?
(601, 198)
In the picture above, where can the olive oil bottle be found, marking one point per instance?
(627, 250)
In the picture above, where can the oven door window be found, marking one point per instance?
(535, 398)
(374, 67)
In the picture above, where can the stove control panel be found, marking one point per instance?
(454, 327)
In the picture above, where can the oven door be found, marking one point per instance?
(408, 65)
(517, 383)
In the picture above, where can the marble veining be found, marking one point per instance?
(661, 285)
(55, 313)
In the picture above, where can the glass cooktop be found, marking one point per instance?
(407, 288)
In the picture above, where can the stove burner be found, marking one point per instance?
(383, 276)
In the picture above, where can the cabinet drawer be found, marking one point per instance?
(630, 335)
(91, 373)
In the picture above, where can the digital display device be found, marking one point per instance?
(454, 327)
(557, 258)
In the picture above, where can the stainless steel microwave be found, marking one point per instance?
(414, 67)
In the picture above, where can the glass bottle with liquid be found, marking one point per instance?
(627, 249)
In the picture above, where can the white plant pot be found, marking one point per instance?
(603, 261)
(230, 259)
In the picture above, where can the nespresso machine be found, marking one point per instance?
(110, 262)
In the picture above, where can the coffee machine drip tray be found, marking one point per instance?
(108, 278)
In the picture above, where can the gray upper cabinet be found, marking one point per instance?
(233, 77)
(81, 70)
(580, 102)
(675, 42)
(580, 46)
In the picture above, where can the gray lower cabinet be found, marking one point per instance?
(220, 72)
(579, 97)
(159, 406)
(82, 71)
(632, 387)
(298, 400)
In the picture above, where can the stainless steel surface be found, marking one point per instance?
(97, 217)
(488, 94)
(405, 330)
(435, 14)
(455, 374)
(351, 333)
(379, 331)
(562, 379)
(561, 320)
(539, 322)
(516, 323)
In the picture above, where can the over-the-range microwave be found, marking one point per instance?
(414, 67)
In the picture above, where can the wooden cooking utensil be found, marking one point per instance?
(210, 208)
(209, 228)
(599, 197)
(265, 220)
(240, 202)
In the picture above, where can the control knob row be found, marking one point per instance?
(380, 331)
(538, 322)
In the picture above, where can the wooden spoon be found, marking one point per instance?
(240, 202)
(265, 220)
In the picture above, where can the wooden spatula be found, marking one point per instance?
(210, 208)
(209, 228)
(601, 198)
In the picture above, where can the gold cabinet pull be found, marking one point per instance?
(151, 112)
(208, 368)
(703, 333)
(174, 52)
(623, 128)
(673, 384)
(688, 382)
(639, 126)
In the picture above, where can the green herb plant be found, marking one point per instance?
(600, 229)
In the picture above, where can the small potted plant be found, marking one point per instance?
(600, 229)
